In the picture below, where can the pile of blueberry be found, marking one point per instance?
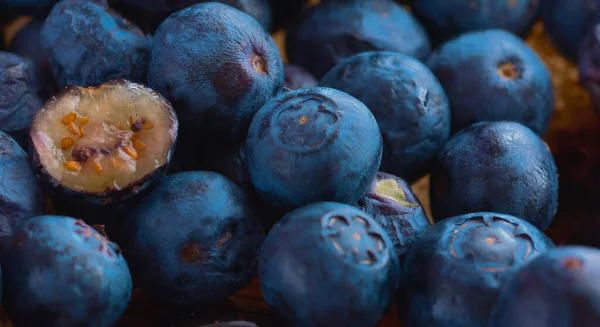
(173, 129)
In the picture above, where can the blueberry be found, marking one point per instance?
(495, 166)
(311, 145)
(567, 22)
(408, 102)
(90, 44)
(22, 198)
(99, 146)
(557, 289)
(27, 44)
(297, 77)
(589, 65)
(392, 204)
(328, 264)
(493, 75)
(193, 239)
(59, 272)
(217, 66)
(334, 30)
(455, 271)
(19, 96)
(156, 12)
(445, 19)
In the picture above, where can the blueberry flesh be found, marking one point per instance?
(445, 19)
(156, 12)
(22, 198)
(493, 75)
(455, 270)
(90, 44)
(499, 167)
(193, 239)
(19, 96)
(392, 204)
(27, 44)
(408, 102)
(557, 289)
(58, 272)
(328, 264)
(567, 22)
(589, 65)
(296, 77)
(312, 145)
(217, 66)
(335, 30)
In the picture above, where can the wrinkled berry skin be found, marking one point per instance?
(480, 66)
(328, 264)
(19, 96)
(193, 239)
(217, 76)
(589, 65)
(455, 270)
(27, 44)
(37, 8)
(156, 12)
(296, 77)
(445, 19)
(495, 166)
(567, 22)
(557, 289)
(89, 44)
(312, 145)
(408, 102)
(335, 30)
(22, 197)
(58, 271)
(392, 203)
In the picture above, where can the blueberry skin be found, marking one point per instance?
(310, 275)
(19, 96)
(312, 145)
(589, 65)
(471, 174)
(159, 10)
(556, 289)
(493, 75)
(392, 203)
(408, 102)
(217, 66)
(495, 166)
(22, 197)
(58, 272)
(193, 239)
(445, 19)
(454, 272)
(27, 44)
(567, 22)
(335, 30)
(90, 44)
(296, 77)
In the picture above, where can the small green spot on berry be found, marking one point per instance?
(390, 189)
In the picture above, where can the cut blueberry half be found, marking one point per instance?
(103, 143)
